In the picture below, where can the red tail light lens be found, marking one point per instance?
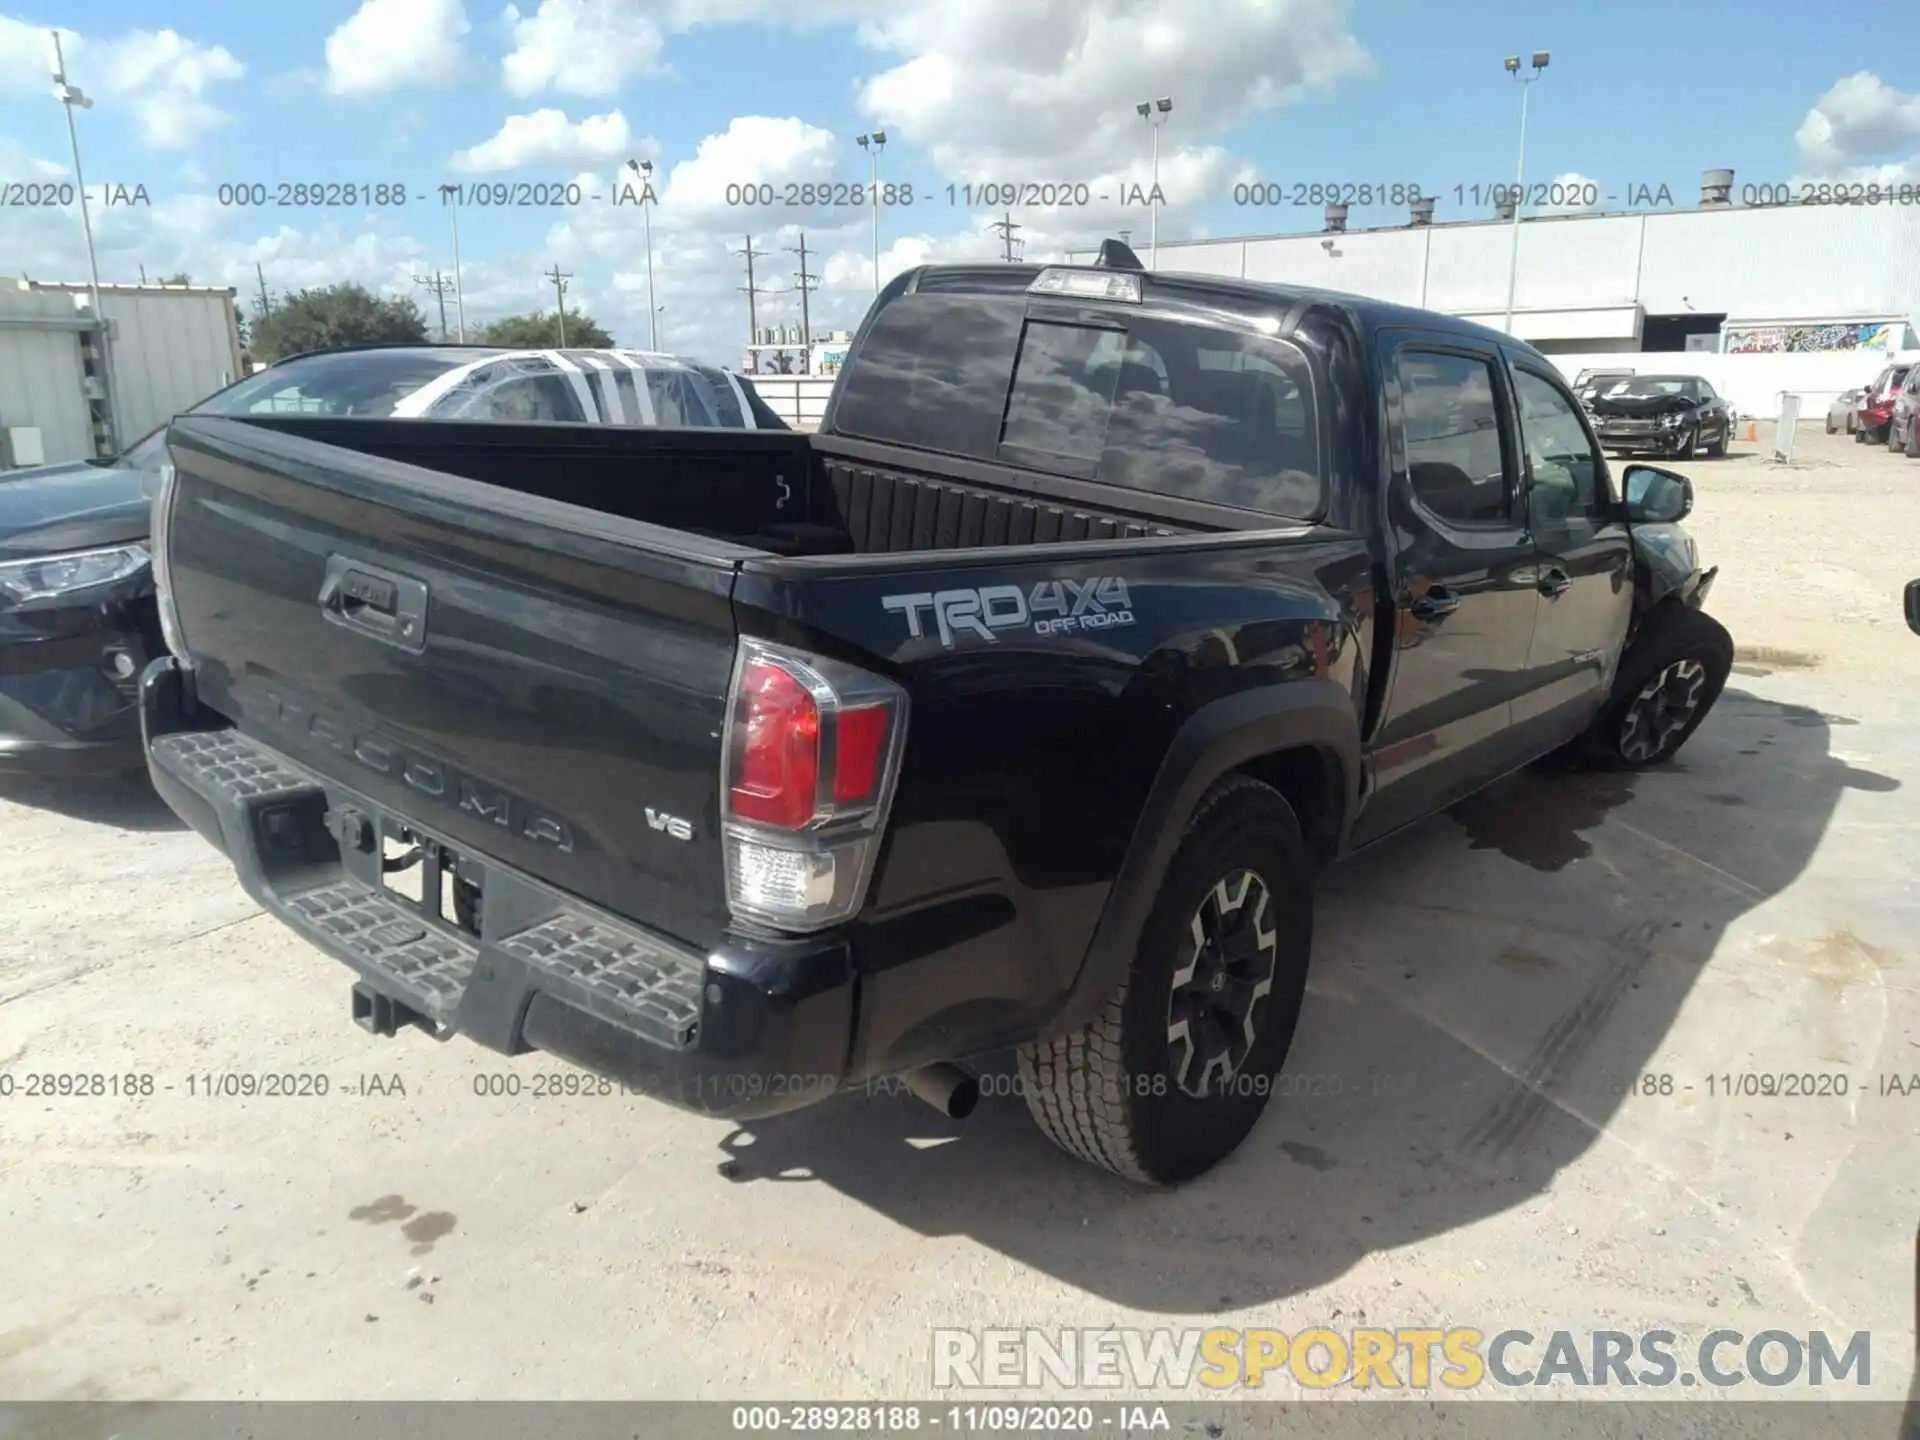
(860, 742)
(812, 754)
(777, 776)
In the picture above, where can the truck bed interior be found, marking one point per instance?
(728, 484)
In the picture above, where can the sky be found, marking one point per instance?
(204, 109)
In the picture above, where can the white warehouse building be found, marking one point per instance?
(1764, 299)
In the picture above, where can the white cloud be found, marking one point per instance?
(1006, 90)
(163, 78)
(159, 76)
(26, 57)
(1861, 130)
(583, 47)
(19, 163)
(387, 44)
(1568, 194)
(757, 150)
(548, 138)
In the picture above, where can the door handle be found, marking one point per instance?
(1435, 603)
(1554, 582)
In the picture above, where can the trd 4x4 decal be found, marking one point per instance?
(1052, 607)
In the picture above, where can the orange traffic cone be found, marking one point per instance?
(1753, 432)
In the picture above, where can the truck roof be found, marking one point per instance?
(1173, 290)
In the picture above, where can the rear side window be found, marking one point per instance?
(1450, 424)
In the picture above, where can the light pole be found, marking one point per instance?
(1155, 113)
(72, 98)
(451, 192)
(1520, 176)
(873, 144)
(644, 169)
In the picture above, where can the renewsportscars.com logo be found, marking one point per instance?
(1052, 607)
(1416, 1358)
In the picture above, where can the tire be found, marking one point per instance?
(1893, 442)
(1681, 652)
(1685, 451)
(1859, 435)
(1913, 442)
(1831, 427)
(1117, 1093)
(1718, 449)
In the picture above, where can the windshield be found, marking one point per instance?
(350, 382)
(1650, 387)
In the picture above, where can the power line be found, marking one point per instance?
(1005, 229)
(753, 322)
(560, 278)
(805, 285)
(437, 285)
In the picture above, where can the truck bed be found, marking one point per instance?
(785, 493)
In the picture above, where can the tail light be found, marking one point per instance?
(162, 576)
(812, 753)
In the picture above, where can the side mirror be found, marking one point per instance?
(1913, 606)
(1656, 496)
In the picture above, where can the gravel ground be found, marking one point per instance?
(1471, 1139)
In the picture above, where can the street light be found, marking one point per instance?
(873, 144)
(1520, 178)
(452, 192)
(644, 169)
(1155, 113)
(72, 98)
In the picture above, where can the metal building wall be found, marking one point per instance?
(1792, 262)
(171, 349)
(42, 382)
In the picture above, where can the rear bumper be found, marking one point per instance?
(746, 1029)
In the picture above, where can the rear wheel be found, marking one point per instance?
(1831, 427)
(1667, 682)
(1893, 436)
(1913, 441)
(1176, 1069)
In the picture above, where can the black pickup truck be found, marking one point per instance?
(1014, 709)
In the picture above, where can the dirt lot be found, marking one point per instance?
(1483, 1134)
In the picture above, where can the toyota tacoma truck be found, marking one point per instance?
(1016, 708)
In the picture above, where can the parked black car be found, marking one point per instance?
(1663, 414)
(1017, 707)
(77, 622)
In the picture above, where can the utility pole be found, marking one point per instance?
(560, 278)
(753, 322)
(71, 97)
(1004, 228)
(266, 305)
(805, 286)
(437, 284)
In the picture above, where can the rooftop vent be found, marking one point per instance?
(1716, 187)
(1336, 218)
(1423, 211)
(1503, 208)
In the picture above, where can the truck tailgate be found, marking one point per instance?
(537, 683)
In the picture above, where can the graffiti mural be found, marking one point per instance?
(1809, 339)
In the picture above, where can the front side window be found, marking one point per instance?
(1566, 474)
(1450, 425)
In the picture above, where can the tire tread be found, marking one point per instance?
(1076, 1084)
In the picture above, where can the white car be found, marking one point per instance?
(477, 382)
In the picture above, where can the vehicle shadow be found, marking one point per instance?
(1485, 987)
(126, 802)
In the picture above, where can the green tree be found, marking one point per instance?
(541, 330)
(178, 278)
(332, 316)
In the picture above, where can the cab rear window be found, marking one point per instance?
(1191, 411)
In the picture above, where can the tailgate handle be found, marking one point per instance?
(376, 602)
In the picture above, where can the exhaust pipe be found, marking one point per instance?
(947, 1088)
